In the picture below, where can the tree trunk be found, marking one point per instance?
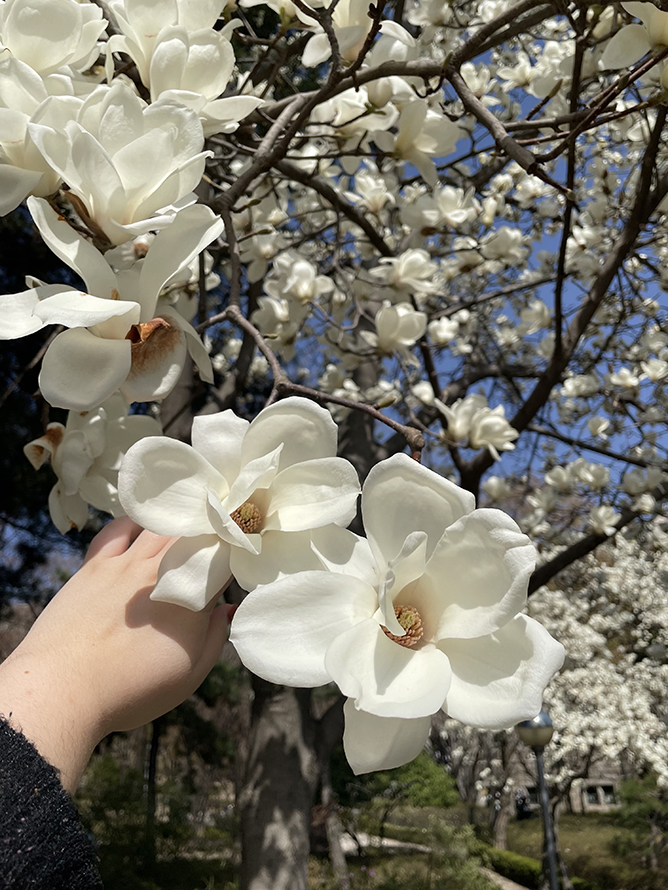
(157, 727)
(501, 821)
(278, 789)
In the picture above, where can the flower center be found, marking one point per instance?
(409, 618)
(248, 518)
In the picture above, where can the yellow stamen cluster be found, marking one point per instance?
(247, 517)
(409, 618)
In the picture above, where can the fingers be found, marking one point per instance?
(114, 539)
(215, 638)
(148, 545)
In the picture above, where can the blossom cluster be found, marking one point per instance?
(382, 251)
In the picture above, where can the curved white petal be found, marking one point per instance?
(306, 431)
(282, 630)
(218, 438)
(80, 370)
(75, 309)
(340, 550)
(312, 494)
(16, 314)
(478, 575)
(163, 486)
(72, 249)
(175, 246)
(401, 571)
(499, 679)
(371, 743)
(256, 474)
(15, 185)
(67, 511)
(196, 348)
(401, 496)
(385, 678)
(226, 528)
(193, 571)
(626, 47)
(283, 553)
(318, 50)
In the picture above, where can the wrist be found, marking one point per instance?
(42, 700)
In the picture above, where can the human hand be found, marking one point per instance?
(103, 656)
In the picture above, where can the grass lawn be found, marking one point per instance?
(593, 847)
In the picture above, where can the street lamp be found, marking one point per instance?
(536, 734)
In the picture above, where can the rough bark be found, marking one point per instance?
(278, 789)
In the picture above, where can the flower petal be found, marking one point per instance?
(478, 575)
(193, 571)
(72, 249)
(372, 743)
(626, 47)
(282, 630)
(163, 486)
(218, 438)
(17, 318)
(80, 370)
(283, 553)
(76, 309)
(175, 246)
(499, 679)
(306, 430)
(385, 678)
(256, 474)
(401, 571)
(340, 550)
(312, 494)
(401, 496)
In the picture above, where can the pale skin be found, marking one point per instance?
(102, 656)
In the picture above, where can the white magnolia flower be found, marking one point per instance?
(597, 426)
(192, 68)
(602, 520)
(118, 337)
(48, 34)
(129, 179)
(351, 25)
(423, 133)
(460, 415)
(421, 614)
(490, 429)
(243, 497)
(624, 377)
(442, 330)
(398, 328)
(86, 456)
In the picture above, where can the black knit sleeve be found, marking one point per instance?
(42, 843)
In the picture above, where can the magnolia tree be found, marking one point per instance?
(430, 226)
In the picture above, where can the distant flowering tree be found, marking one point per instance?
(311, 236)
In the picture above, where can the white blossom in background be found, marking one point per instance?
(86, 455)
(490, 429)
(397, 634)
(602, 520)
(398, 328)
(242, 498)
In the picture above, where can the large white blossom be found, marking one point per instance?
(130, 165)
(421, 614)
(243, 497)
(118, 336)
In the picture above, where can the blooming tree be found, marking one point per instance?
(432, 226)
